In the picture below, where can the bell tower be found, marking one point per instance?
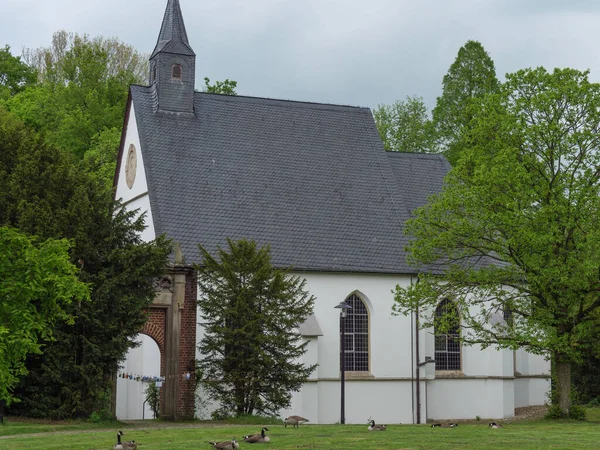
(173, 64)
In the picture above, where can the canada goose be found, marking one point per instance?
(118, 445)
(226, 445)
(131, 445)
(494, 425)
(261, 438)
(295, 421)
(444, 425)
(374, 427)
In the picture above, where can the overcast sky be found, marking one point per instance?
(352, 52)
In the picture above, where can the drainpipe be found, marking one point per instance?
(417, 358)
(412, 363)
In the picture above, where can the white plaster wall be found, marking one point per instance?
(137, 196)
(468, 398)
(142, 360)
(389, 335)
(528, 364)
(474, 360)
(388, 396)
(531, 391)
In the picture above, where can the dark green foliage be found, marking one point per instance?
(586, 372)
(250, 313)
(71, 377)
(15, 75)
(576, 412)
(48, 194)
(554, 412)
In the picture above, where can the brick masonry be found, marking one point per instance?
(155, 328)
(187, 348)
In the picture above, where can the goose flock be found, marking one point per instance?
(262, 438)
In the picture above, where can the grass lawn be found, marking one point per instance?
(194, 435)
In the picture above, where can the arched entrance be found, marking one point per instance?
(142, 361)
(171, 325)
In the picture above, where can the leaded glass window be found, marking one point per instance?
(447, 343)
(356, 332)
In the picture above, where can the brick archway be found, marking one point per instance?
(155, 327)
(172, 324)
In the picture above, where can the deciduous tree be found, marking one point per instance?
(37, 284)
(471, 76)
(250, 350)
(226, 87)
(82, 91)
(513, 238)
(15, 75)
(405, 126)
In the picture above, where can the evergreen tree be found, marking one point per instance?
(47, 193)
(251, 311)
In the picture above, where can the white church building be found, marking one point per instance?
(314, 182)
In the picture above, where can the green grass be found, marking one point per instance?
(194, 435)
(29, 426)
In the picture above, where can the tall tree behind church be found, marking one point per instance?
(471, 76)
(79, 100)
(405, 126)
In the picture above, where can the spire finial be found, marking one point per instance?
(173, 37)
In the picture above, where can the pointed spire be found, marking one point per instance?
(173, 37)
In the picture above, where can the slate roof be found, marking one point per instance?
(419, 175)
(173, 37)
(312, 180)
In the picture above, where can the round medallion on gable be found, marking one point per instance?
(131, 166)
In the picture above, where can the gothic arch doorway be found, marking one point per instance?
(140, 362)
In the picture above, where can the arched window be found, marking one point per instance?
(356, 331)
(447, 343)
(176, 72)
(153, 74)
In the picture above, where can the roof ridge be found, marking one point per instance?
(281, 100)
(416, 154)
(270, 99)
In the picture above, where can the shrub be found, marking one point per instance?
(153, 398)
(577, 412)
(554, 412)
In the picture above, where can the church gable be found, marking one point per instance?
(130, 184)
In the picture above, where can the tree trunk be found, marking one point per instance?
(563, 383)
